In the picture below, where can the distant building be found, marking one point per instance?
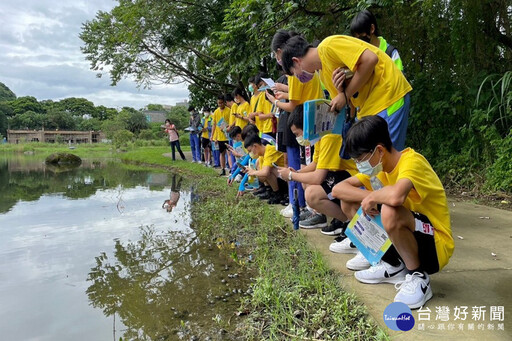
(155, 116)
(52, 136)
(182, 104)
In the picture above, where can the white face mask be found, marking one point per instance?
(301, 141)
(366, 168)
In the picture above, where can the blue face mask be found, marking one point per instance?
(251, 89)
(364, 167)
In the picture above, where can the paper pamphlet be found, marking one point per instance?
(319, 120)
(222, 124)
(369, 236)
(269, 82)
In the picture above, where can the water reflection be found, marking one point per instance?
(162, 280)
(90, 246)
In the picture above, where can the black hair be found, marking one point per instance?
(280, 38)
(251, 139)
(168, 120)
(221, 97)
(228, 97)
(191, 108)
(296, 47)
(296, 118)
(250, 80)
(205, 108)
(249, 129)
(240, 92)
(366, 134)
(362, 23)
(235, 131)
(259, 78)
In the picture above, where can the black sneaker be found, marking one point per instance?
(336, 227)
(260, 190)
(275, 198)
(223, 172)
(265, 195)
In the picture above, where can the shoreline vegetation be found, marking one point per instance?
(295, 295)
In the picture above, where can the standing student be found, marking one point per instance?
(364, 26)
(375, 88)
(264, 109)
(174, 139)
(219, 122)
(243, 108)
(194, 123)
(403, 188)
(233, 106)
(206, 124)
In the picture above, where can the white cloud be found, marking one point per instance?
(41, 56)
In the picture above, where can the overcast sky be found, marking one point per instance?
(40, 56)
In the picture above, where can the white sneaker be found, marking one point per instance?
(342, 245)
(382, 273)
(359, 262)
(238, 178)
(287, 212)
(414, 291)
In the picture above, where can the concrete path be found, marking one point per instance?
(474, 278)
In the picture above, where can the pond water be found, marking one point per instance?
(97, 253)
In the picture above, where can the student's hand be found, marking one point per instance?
(251, 172)
(369, 206)
(338, 102)
(252, 115)
(271, 98)
(284, 172)
(280, 95)
(239, 194)
(280, 87)
(338, 79)
(230, 181)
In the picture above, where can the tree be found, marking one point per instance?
(163, 41)
(62, 120)
(5, 112)
(27, 103)
(78, 106)
(5, 93)
(28, 120)
(179, 116)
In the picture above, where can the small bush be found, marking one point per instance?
(146, 134)
(184, 139)
(122, 138)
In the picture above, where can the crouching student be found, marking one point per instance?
(267, 173)
(413, 210)
(320, 176)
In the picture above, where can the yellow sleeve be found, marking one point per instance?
(232, 117)
(272, 156)
(341, 51)
(303, 92)
(329, 153)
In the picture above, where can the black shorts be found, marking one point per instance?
(223, 146)
(205, 142)
(331, 180)
(424, 235)
(280, 145)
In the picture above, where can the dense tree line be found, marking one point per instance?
(80, 114)
(456, 55)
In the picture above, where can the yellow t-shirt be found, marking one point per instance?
(426, 197)
(385, 86)
(232, 117)
(272, 155)
(205, 121)
(244, 110)
(254, 103)
(302, 92)
(217, 115)
(265, 107)
(327, 155)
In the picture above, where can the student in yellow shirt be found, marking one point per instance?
(404, 189)
(263, 109)
(321, 175)
(243, 109)
(376, 87)
(233, 106)
(206, 124)
(253, 89)
(219, 123)
(267, 173)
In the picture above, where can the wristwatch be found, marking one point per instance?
(290, 175)
(275, 102)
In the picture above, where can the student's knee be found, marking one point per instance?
(314, 194)
(349, 208)
(395, 217)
